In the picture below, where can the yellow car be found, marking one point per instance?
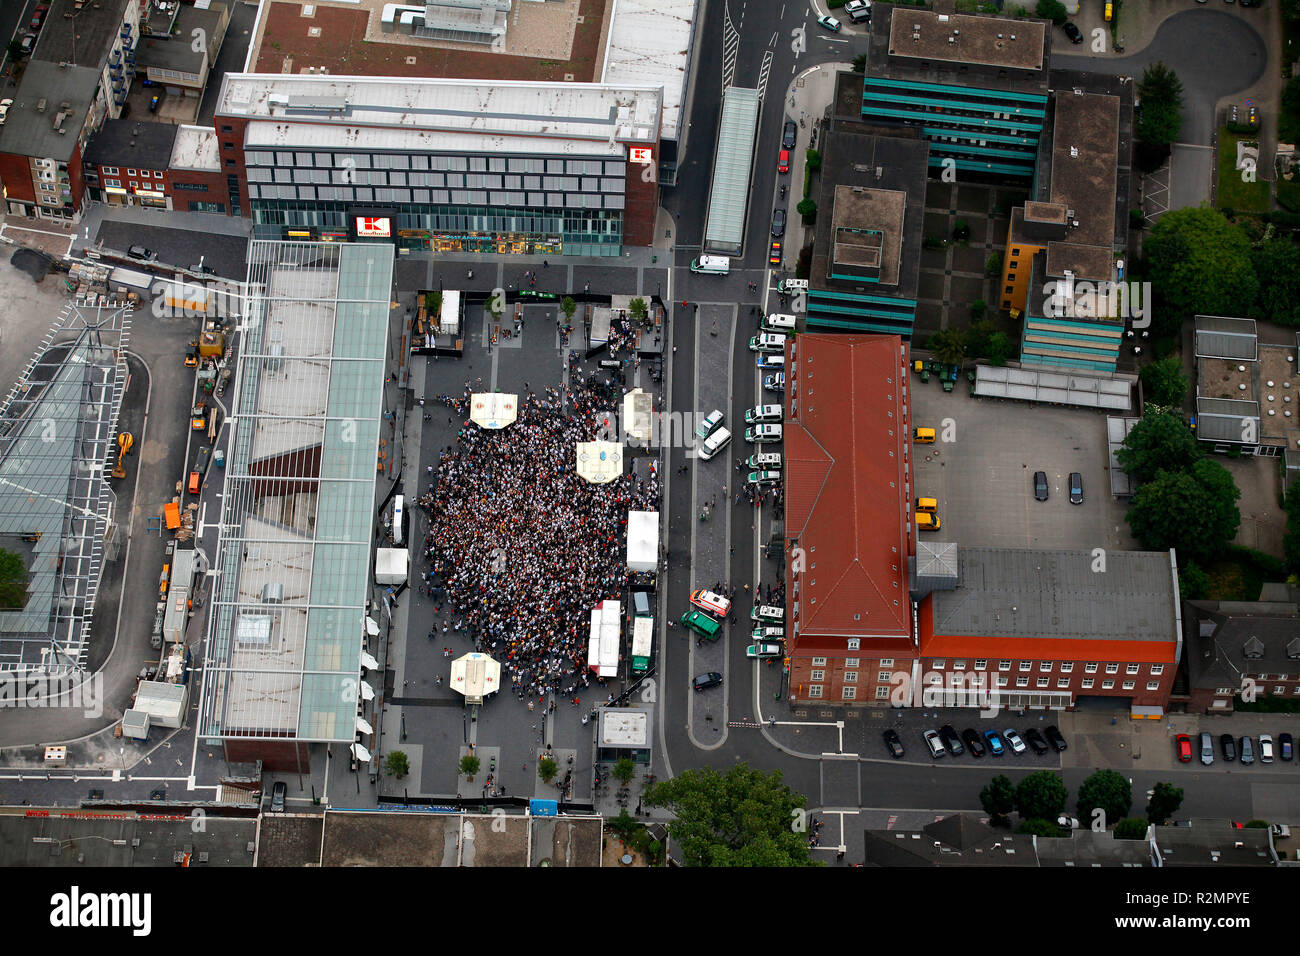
(1110, 10)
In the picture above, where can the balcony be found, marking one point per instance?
(126, 31)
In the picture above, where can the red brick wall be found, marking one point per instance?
(16, 174)
(1139, 695)
(833, 683)
(235, 139)
(215, 183)
(77, 180)
(277, 756)
(641, 203)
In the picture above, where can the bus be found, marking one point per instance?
(643, 636)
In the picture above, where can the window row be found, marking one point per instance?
(368, 177)
(455, 197)
(421, 161)
(1046, 667)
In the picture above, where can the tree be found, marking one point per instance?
(1193, 583)
(812, 160)
(13, 580)
(547, 768)
(433, 303)
(1194, 511)
(993, 265)
(1041, 794)
(623, 825)
(977, 309)
(999, 348)
(979, 333)
(1277, 267)
(624, 770)
(469, 765)
(1160, 441)
(741, 818)
(638, 309)
(15, 50)
(1161, 94)
(1165, 382)
(1037, 826)
(1165, 801)
(1199, 264)
(998, 798)
(568, 307)
(961, 231)
(1053, 10)
(1131, 828)
(860, 63)
(948, 346)
(1107, 790)
(397, 765)
(806, 208)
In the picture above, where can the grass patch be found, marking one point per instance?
(1234, 579)
(1288, 194)
(1233, 192)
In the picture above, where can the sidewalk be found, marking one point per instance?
(806, 101)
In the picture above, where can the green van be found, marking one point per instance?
(701, 624)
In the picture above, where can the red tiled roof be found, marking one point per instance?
(845, 442)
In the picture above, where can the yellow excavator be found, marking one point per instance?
(124, 442)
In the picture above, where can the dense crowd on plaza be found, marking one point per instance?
(523, 547)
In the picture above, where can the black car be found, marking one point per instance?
(703, 681)
(141, 253)
(1073, 32)
(1284, 746)
(1076, 488)
(1036, 741)
(778, 223)
(1228, 746)
(1040, 485)
(951, 741)
(788, 135)
(973, 742)
(278, 794)
(893, 743)
(1054, 738)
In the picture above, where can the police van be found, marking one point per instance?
(711, 265)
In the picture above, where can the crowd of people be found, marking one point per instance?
(521, 546)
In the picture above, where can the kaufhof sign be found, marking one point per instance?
(377, 227)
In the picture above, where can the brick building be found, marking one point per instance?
(1240, 647)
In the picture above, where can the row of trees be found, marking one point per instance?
(1106, 797)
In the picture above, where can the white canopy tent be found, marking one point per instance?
(602, 646)
(475, 676)
(599, 462)
(493, 409)
(642, 540)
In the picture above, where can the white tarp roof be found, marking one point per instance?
(493, 409)
(642, 540)
(638, 412)
(599, 462)
(602, 647)
(650, 45)
(391, 565)
(475, 676)
(1059, 388)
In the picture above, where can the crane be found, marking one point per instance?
(124, 442)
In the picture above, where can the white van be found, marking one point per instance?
(764, 460)
(711, 265)
(778, 323)
(767, 342)
(763, 433)
(714, 444)
(771, 360)
(762, 413)
(399, 505)
(787, 286)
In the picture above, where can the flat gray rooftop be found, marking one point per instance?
(959, 38)
(868, 230)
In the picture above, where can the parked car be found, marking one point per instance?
(1265, 748)
(788, 133)
(141, 253)
(4, 109)
(1284, 749)
(763, 650)
(1040, 485)
(705, 681)
(1184, 747)
(1036, 741)
(767, 342)
(1055, 737)
(783, 161)
(932, 741)
(858, 10)
(1013, 739)
(1076, 488)
(830, 23)
(711, 602)
(279, 793)
(774, 255)
(1207, 749)
(973, 742)
(951, 741)
(38, 17)
(1228, 747)
(778, 224)
(1247, 751)
(710, 422)
(995, 743)
(763, 479)
(762, 413)
(759, 434)
(1073, 32)
(26, 43)
(893, 744)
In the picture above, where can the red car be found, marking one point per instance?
(38, 17)
(783, 162)
(1184, 748)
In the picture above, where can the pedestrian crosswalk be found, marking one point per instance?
(730, 49)
(763, 72)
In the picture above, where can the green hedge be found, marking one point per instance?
(1261, 562)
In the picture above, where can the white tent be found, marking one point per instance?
(602, 645)
(493, 409)
(475, 676)
(599, 462)
(638, 415)
(391, 565)
(642, 540)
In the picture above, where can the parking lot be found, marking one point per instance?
(983, 475)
